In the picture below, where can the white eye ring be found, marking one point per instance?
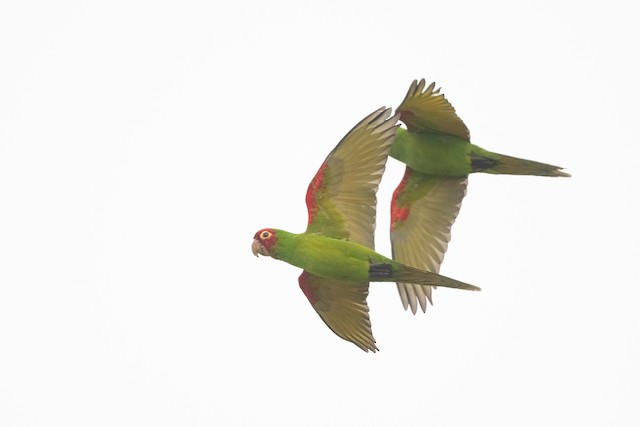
(265, 235)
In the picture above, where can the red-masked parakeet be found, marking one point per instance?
(336, 251)
(439, 157)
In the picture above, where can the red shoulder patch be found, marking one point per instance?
(307, 288)
(314, 187)
(406, 116)
(399, 213)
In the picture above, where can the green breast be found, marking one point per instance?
(433, 154)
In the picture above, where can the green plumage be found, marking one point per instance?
(432, 153)
(451, 156)
(336, 252)
(323, 256)
(346, 260)
(439, 156)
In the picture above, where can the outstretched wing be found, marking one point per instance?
(427, 110)
(423, 208)
(341, 198)
(342, 305)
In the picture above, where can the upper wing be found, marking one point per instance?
(423, 208)
(341, 198)
(426, 110)
(343, 307)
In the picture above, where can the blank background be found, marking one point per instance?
(142, 144)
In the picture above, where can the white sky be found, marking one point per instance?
(142, 144)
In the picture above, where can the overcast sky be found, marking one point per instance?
(142, 144)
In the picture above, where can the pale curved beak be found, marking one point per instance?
(257, 248)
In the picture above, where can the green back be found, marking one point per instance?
(432, 153)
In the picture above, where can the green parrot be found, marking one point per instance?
(336, 252)
(439, 157)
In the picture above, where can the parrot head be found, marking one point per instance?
(263, 242)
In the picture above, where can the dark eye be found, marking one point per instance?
(265, 235)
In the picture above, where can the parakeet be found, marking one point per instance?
(336, 251)
(439, 157)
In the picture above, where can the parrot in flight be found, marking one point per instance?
(439, 157)
(336, 252)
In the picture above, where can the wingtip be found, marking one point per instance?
(367, 347)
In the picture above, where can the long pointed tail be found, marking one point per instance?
(501, 164)
(406, 274)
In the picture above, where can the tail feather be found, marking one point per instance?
(502, 164)
(408, 274)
